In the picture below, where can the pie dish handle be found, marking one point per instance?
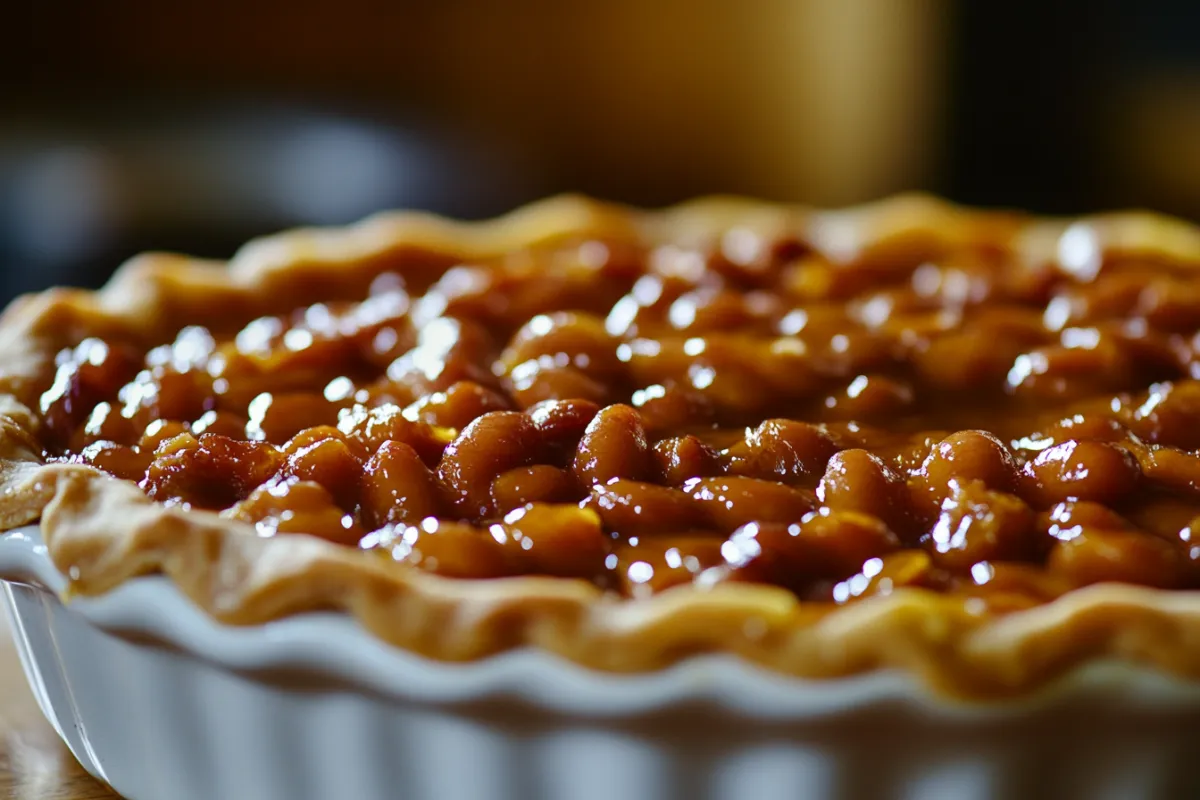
(25, 559)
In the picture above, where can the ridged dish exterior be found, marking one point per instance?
(163, 704)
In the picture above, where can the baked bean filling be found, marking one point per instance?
(644, 417)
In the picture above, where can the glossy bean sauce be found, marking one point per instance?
(645, 417)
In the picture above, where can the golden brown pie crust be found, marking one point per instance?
(101, 531)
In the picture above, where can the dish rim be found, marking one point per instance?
(341, 655)
(102, 531)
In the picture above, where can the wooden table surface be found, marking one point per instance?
(34, 764)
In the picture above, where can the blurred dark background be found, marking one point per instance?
(129, 125)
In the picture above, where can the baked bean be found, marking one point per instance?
(1095, 555)
(1095, 427)
(277, 418)
(882, 575)
(311, 436)
(561, 540)
(833, 546)
(1108, 296)
(712, 309)
(165, 395)
(209, 471)
(297, 506)
(683, 457)
(1167, 414)
(1075, 470)
(1188, 537)
(869, 397)
(445, 547)
(1169, 468)
(613, 446)
(225, 423)
(104, 424)
(87, 374)
(642, 312)
(813, 278)
(161, 431)
(978, 524)
(672, 407)
(856, 480)
(1070, 371)
(370, 428)
(1166, 515)
(638, 508)
(781, 449)
(1168, 303)
(560, 421)
(330, 463)
(962, 361)
(1008, 587)
(448, 351)
(493, 443)
(505, 295)
(905, 454)
(720, 366)
(457, 406)
(398, 489)
(534, 382)
(381, 327)
(1067, 519)
(120, 460)
(648, 565)
(969, 456)
(566, 339)
(307, 347)
(539, 483)
(734, 500)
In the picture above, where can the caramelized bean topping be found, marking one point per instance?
(330, 463)
(209, 471)
(831, 545)
(540, 483)
(88, 374)
(857, 480)
(632, 507)
(613, 446)
(297, 506)
(735, 500)
(372, 428)
(125, 462)
(553, 539)
(976, 524)
(650, 415)
(681, 458)
(783, 450)
(1081, 470)
(534, 539)
(646, 565)
(445, 547)
(969, 456)
(1094, 555)
(398, 487)
(494, 443)
(457, 406)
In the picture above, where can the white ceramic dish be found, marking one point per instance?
(159, 701)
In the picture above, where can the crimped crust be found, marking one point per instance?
(101, 531)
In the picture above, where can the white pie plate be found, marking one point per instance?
(159, 701)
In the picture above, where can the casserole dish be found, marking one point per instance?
(732, 498)
(157, 700)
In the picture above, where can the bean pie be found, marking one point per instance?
(957, 443)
